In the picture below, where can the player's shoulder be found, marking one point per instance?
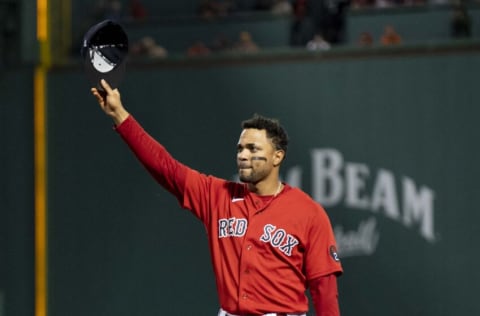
(307, 211)
(304, 200)
(228, 186)
(196, 178)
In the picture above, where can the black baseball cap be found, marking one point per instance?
(104, 51)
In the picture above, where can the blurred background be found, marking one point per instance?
(380, 98)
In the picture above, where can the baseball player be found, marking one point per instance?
(269, 242)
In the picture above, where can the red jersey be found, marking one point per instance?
(264, 250)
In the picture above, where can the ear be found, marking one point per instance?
(278, 157)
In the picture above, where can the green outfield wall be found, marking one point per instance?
(16, 193)
(385, 139)
(387, 144)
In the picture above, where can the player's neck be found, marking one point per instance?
(266, 188)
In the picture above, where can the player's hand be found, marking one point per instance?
(110, 102)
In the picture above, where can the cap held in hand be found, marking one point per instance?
(104, 51)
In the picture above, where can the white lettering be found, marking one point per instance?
(232, 227)
(288, 246)
(360, 242)
(222, 228)
(418, 207)
(267, 233)
(356, 175)
(335, 180)
(241, 227)
(384, 195)
(327, 182)
(279, 239)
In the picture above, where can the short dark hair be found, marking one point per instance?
(272, 126)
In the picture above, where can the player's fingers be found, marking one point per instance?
(98, 95)
(106, 86)
(95, 92)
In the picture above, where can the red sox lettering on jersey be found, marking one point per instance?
(232, 227)
(278, 238)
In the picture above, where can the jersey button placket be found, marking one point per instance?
(244, 289)
(247, 270)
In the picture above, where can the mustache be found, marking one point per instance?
(247, 164)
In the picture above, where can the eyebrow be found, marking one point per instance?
(248, 146)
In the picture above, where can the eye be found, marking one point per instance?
(253, 148)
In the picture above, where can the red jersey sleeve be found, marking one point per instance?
(191, 188)
(324, 294)
(321, 257)
(170, 173)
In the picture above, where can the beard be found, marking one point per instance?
(251, 175)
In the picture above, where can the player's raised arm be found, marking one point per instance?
(110, 102)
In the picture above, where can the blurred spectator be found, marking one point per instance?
(264, 5)
(440, 2)
(461, 23)
(198, 49)
(418, 2)
(137, 10)
(226, 7)
(245, 43)
(147, 47)
(221, 43)
(330, 20)
(108, 9)
(365, 39)
(318, 43)
(281, 7)
(302, 29)
(390, 36)
(209, 9)
(384, 4)
(360, 4)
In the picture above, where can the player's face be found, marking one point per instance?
(256, 155)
